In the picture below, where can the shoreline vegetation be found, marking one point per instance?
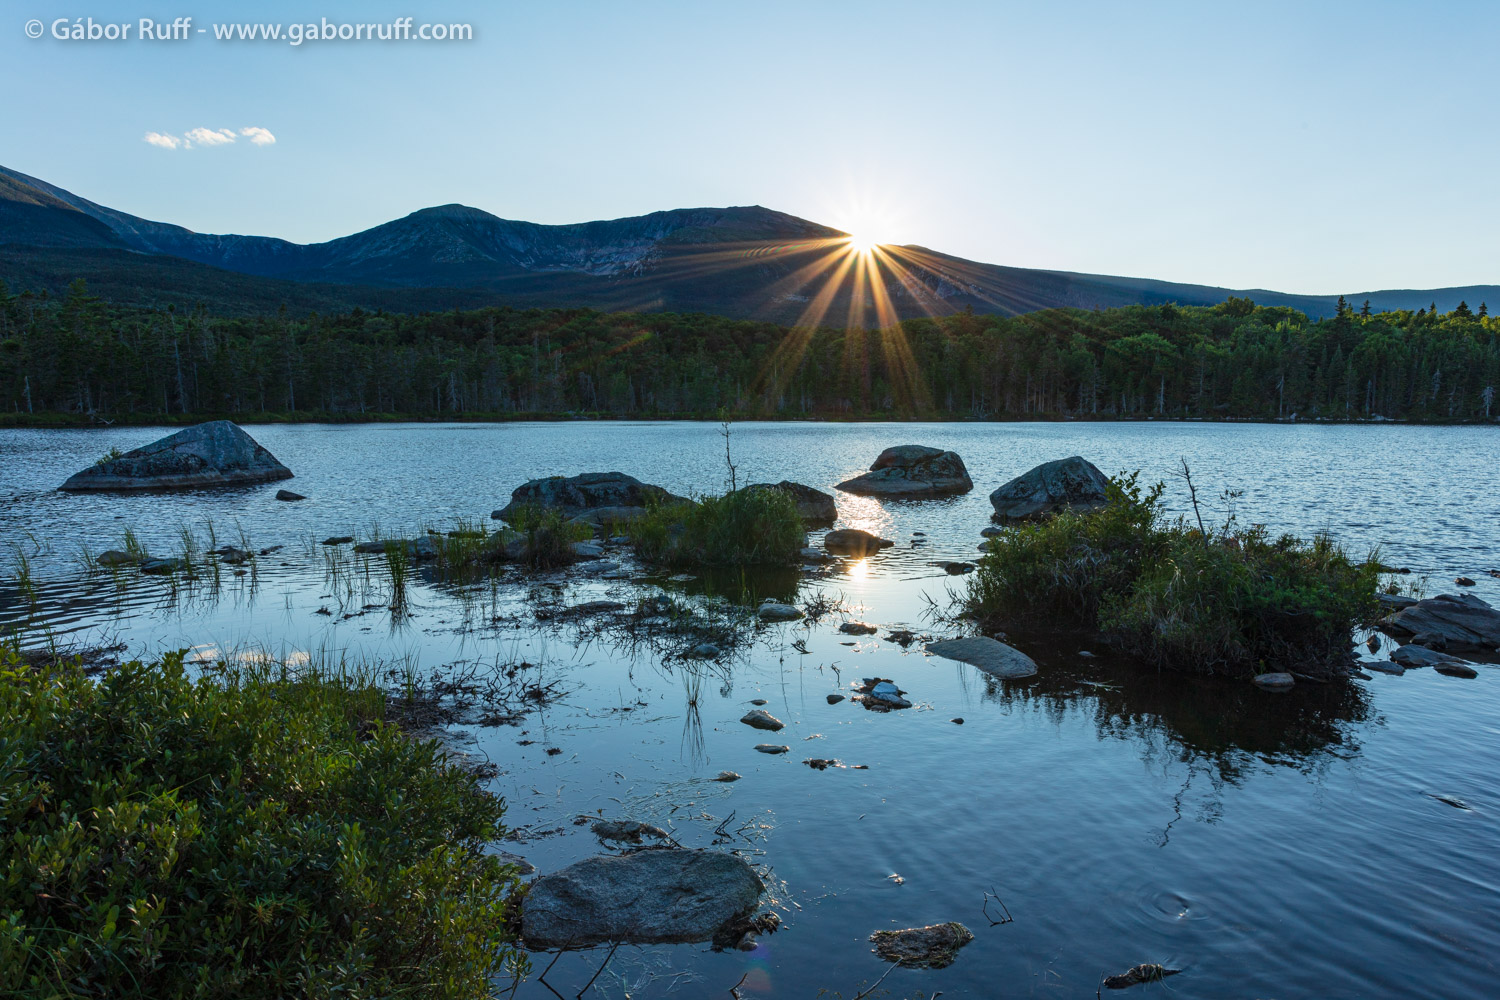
(74, 359)
(256, 830)
(1180, 595)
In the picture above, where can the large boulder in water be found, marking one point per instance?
(813, 506)
(1066, 484)
(652, 896)
(593, 496)
(912, 470)
(217, 453)
(1463, 621)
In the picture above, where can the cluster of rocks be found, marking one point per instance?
(1432, 630)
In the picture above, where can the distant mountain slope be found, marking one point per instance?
(745, 262)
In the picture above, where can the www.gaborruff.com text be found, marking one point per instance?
(403, 29)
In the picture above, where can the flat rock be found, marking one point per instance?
(931, 947)
(1275, 681)
(217, 453)
(1383, 666)
(855, 542)
(858, 628)
(1395, 601)
(653, 896)
(161, 567)
(771, 748)
(338, 540)
(726, 776)
(813, 555)
(600, 497)
(114, 557)
(759, 718)
(627, 830)
(990, 655)
(774, 611)
(1463, 620)
(287, 496)
(814, 506)
(1066, 484)
(1456, 668)
(1413, 656)
(912, 470)
(834, 699)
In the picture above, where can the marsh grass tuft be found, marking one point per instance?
(749, 527)
(1225, 600)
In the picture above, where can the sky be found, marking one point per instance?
(1312, 147)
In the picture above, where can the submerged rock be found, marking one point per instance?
(338, 540)
(1146, 973)
(600, 497)
(858, 628)
(217, 453)
(627, 830)
(161, 567)
(1462, 620)
(652, 896)
(114, 557)
(912, 470)
(287, 496)
(1456, 668)
(814, 506)
(855, 542)
(759, 718)
(834, 699)
(931, 947)
(1066, 484)
(1383, 666)
(771, 748)
(1275, 681)
(990, 655)
(726, 776)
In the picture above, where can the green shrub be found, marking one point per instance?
(759, 527)
(1228, 601)
(242, 836)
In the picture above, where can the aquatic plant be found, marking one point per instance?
(255, 832)
(1223, 600)
(759, 527)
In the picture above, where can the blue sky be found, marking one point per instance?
(1308, 147)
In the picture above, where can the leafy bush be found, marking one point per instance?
(759, 527)
(1225, 601)
(245, 836)
(109, 456)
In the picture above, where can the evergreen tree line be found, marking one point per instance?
(77, 355)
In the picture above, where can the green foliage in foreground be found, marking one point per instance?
(548, 535)
(242, 836)
(1228, 601)
(748, 527)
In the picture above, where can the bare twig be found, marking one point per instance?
(589, 985)
(876, 985)
(734, 990)
(1005, 909)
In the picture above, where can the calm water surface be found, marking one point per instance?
(1269, 846)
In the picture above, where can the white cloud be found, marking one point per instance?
(209, 136)
(258, 136)
(163, 140)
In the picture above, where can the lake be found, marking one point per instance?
(1265, 844)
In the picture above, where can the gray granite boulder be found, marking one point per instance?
(1066, 484)
(990, 655)
(594, 496)
(813, 506)
(651, 896)
(1462, 621)
(217, 453)
(912, 470)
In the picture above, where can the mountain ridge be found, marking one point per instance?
(748, 262)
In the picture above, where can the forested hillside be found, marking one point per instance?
(75, 357)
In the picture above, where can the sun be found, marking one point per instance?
(862, 242)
